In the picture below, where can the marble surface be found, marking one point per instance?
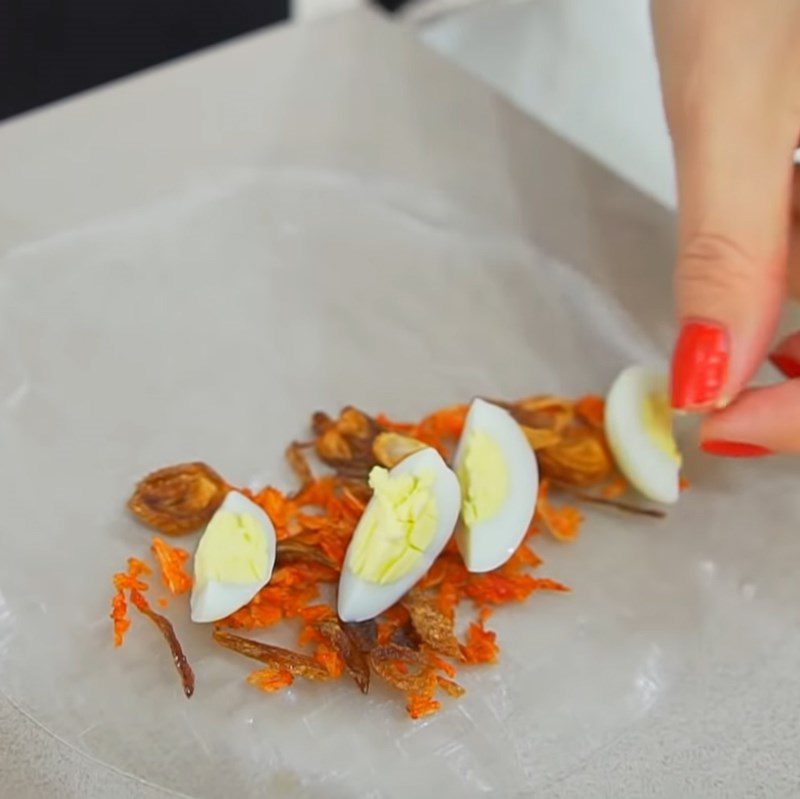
(36, 765)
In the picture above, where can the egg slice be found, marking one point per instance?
(233, 560)
(638, 424)
(406, 524)
(499, 480)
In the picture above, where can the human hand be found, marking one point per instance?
(730, 75)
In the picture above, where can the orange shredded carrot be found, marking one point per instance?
(138, 567)
(119, 615)
(616, 488)
(684, 484)
(419, 706)
(270, 680)
(563, 522)
(447, 598)
(497, 588)
(162, 602)
(484, 614)
(592, 410)
(254, 615)
(449, 687)
(130, 578)
(441, 664)
(126, 581)
(314, 613)
(171, 561)
(309, 634)
(523, 556)
(481, 645)
(276, 506)
(438, 430)
(330, 660)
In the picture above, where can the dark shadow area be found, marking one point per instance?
(50, 49)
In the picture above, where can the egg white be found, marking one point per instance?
(214, 600)
(361, 599)
(489, 543)
(644, 464)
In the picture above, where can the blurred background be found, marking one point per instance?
(584, 67)
(53, 48)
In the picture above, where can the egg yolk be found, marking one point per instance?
(399, 526)
(483, 475)
(657, 419)
(233, 549)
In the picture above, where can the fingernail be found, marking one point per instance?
(699, 365)
(734, 449)
(789, 366)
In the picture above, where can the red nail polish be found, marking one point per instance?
(699, 365)
(734, 449)
(790, 367)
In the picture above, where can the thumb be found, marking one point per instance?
(734, 177)
(729, 77)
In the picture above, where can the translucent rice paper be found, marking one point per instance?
(209, 322)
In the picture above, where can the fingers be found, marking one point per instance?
(794, 239)
(734, 126)
(734, 192)
(761, 421)
(786, 357)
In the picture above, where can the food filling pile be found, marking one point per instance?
(407, 525)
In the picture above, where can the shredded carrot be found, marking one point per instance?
(442, 665)
(162, 602)
(497, 589)
(138, 567)
(591, 409)
(275, 506)
(330, 660)
(171, 561)
(309, 634)
(448, 598)
(119, 614)
(481, 645)
(485, 614)
(523, 556)
(270, 680)
(126, 581)
(130, 578)
(563, 522)
(439, 430)
(419, 706)
(315, 613)
(616, 488)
